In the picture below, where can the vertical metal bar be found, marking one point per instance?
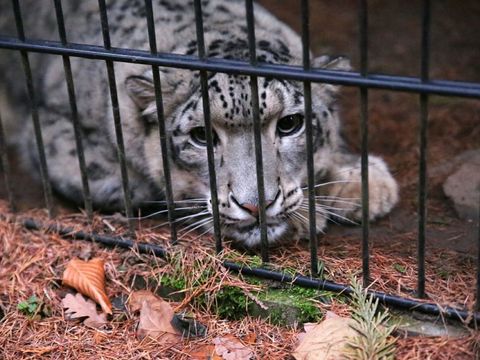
(363, 45)
(47, 190)
(87, 199)
(116, 117)
(208, 126)
(477, 304)
(307, 89)
(422, 187)
(257, 126)
(5, 167)
(164, 141)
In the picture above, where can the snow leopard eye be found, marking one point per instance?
(199, 136)
(290, 125)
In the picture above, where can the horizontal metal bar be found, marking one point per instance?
(307, 282)
(113, 241)
(391, 300)
(389, 82)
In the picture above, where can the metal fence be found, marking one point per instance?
(364, 80)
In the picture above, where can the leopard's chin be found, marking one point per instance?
(250, 235)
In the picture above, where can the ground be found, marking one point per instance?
(32, 262)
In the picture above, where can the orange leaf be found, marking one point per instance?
(88, 277)
(204, 352)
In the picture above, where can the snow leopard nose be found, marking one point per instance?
(249, 207)
(253, 209)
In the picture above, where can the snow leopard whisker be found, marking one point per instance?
(332, 197)
(325, 214)
(293, 219)
(200, 223)
(181, 219)
(166, 210)
(323, 201)
(199, 200)
(339, 216)
(297, 221)
(332, 182)
(320, 200)
(302, 219)
(190, 225)
(205, 232)
(322, 206)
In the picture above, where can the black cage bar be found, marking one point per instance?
(208, 125)
(363, 80)
(363, 45)
(164, 143)
(112, 84)
(47, 189)
(73, 106)
(307, 90)
(257, 129)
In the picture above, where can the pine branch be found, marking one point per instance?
(374, 340)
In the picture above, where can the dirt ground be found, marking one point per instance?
(454, 127)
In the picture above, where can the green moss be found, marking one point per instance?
(293, 304)
(34, 308)
(285, 304)
(400, 268)
(173, 282)
(231, 303)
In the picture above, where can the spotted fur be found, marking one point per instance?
(284, 156)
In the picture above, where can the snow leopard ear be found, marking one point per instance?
(332, 63)
(141, 90)
(328, 92)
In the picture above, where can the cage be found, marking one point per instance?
(371, 85)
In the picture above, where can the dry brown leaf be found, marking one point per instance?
(76, 307)
(137, 298)
(230, 348)
(325, 341)
(155, 317)
(204, 352)
(88, 277)
(250, 339)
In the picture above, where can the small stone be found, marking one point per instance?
(463, 188)
(119, 302)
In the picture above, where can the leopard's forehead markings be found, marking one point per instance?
(231, 99)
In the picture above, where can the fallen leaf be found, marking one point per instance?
(137, 298)
(88, 277)
(204, 352)
(99, 337)
(230, 348)
(325, 341)
(155, 317)
(250, 339)
(76, 307)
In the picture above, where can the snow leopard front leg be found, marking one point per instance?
(342, 194)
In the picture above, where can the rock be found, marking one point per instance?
(463, 188)
(417, 324)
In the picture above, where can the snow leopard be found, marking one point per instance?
(281, 116)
